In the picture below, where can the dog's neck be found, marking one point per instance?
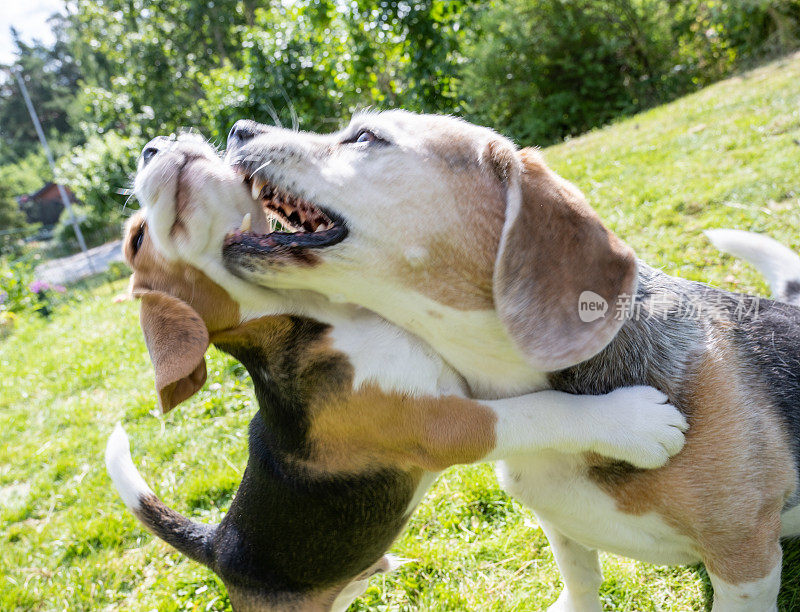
(275, 350)
(657, 346)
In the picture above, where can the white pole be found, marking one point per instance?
(40, 133)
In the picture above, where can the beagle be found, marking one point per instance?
(450, 232)
(355, 417)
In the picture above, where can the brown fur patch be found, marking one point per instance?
(177, 340)
(152, 272)
(371, 428)
(727, 487)
(458, 269)
(271, 334)
(452, 274)
(180, 306)
(356, 432)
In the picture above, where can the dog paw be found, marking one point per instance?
(644, 429)
(567, 603)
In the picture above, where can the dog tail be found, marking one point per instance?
(192, 539)
(779, 264)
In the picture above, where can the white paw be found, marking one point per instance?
(642, 427)
(567, 603)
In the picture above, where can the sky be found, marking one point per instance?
(30, 18)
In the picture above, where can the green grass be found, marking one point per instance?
(728, 156)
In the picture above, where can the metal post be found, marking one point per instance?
(64, 198)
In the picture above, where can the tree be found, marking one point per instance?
(51, 77)
(144, 61)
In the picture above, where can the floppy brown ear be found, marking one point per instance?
(563, 283)
(177, 340)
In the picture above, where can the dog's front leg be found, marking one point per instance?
(752, 576)
(580, 572)
(633, 424)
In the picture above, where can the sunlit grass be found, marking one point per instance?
(728, 156)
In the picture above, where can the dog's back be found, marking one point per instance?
(771, 340)
(306, 520)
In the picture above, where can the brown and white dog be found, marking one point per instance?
(448, 231)
(355, 417)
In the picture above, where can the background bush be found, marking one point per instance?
(25, 176)
(556, 68)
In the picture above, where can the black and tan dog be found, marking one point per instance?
(355, 417)
(454, 234)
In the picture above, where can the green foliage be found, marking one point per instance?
(536, 70)
(117, 270)
(310, 64)
(10, 214)
(98, 172)
(411, 51)
(292, 71)
(556, 68)
(26, 175)
(143, 61)
(16, 277)
(13, 224)
(753, 28)
(21, 294)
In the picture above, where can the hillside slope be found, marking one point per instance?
(726, 156)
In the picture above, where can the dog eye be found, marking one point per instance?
(366, 136)
(136, 243)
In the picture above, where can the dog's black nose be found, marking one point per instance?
(242, 131)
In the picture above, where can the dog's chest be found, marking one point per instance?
(556, 486)
(473, 342)
(393, 359)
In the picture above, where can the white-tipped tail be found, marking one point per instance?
(190, 538)
(779, 265)
(119, 465)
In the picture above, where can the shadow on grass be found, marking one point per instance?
(789, 598)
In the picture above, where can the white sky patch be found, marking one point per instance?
(30, 18)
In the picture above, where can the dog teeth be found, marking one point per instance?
(287, 212)
(247, 223)
(256, 187)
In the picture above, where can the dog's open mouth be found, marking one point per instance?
(294, 222)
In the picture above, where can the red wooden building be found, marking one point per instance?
(44, 206)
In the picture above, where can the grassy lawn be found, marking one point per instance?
(728, 156)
